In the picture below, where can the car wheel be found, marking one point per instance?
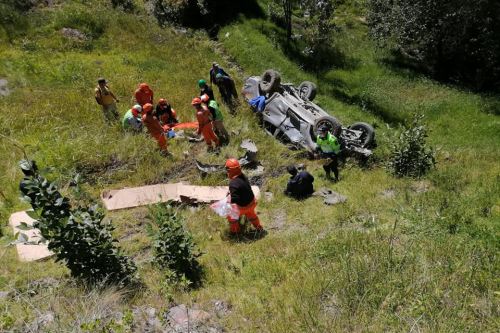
(368, 136)
(307, 90)
(270, 81)
(331, 122)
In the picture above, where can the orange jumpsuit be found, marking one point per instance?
(142, 97)
(205, 126)
(242, 195)
(155, 129)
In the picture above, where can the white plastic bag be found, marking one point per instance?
(224, 208)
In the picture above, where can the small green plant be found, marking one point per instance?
(77, 236)
(174, 247)
(410, 155)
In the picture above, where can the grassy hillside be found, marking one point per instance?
(399, 255)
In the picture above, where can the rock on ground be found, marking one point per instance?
(4, 89)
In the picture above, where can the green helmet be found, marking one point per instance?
(202, 83)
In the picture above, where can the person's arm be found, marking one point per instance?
(98, 97)
(113, 95)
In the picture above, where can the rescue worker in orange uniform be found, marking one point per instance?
(143, 94)
(165, 113)
(154, 127)
(205, 126)
(242, 195)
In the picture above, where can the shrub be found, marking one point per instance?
(125, 5)
(410, 156)
(317, 32)
(208, 14)
(77, 236)
(450, 39)
(174, 247)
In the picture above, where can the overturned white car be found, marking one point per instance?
(288, 114)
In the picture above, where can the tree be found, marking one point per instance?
(454, 40)
(77, 235)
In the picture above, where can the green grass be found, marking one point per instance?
(420, 260)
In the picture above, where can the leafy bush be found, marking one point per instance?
(317, 32)
(207, 14)
(410, 156)
(77, 236)
(126, 5)
(173, 246)
(12, 20)
(450, 39)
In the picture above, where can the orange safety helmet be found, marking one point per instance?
(143, 86)
(162, 101)
(148, 107)
(196, 101)
(204, 98)
(233, 168)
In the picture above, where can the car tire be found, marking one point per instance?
(331, 122)
(270, 81)
(368, 137)
(307, 91)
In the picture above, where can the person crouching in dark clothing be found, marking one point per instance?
(164, 113)
(300, 185)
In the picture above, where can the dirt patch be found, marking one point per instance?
(277, 220)
(93, 172)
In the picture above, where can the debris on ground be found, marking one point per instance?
(268, 196)
(177, 192)
(4, 89)
(331, 197)
(28, 249)
(248, 161)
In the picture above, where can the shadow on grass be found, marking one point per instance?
(336, 88)
(212, 15)
(326, 57)
(412, 70)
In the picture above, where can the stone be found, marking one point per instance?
(4, 294)
(182, 319)
(331, 197)
(268, 196)
(388, 194)
(4, 89)
(221, 307)
(73, 34)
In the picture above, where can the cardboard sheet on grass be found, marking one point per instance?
(151, 194)
(28, 252)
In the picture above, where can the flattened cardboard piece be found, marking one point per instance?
(28, 252)
(146, 195)
(139, 196)
(206, 194)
